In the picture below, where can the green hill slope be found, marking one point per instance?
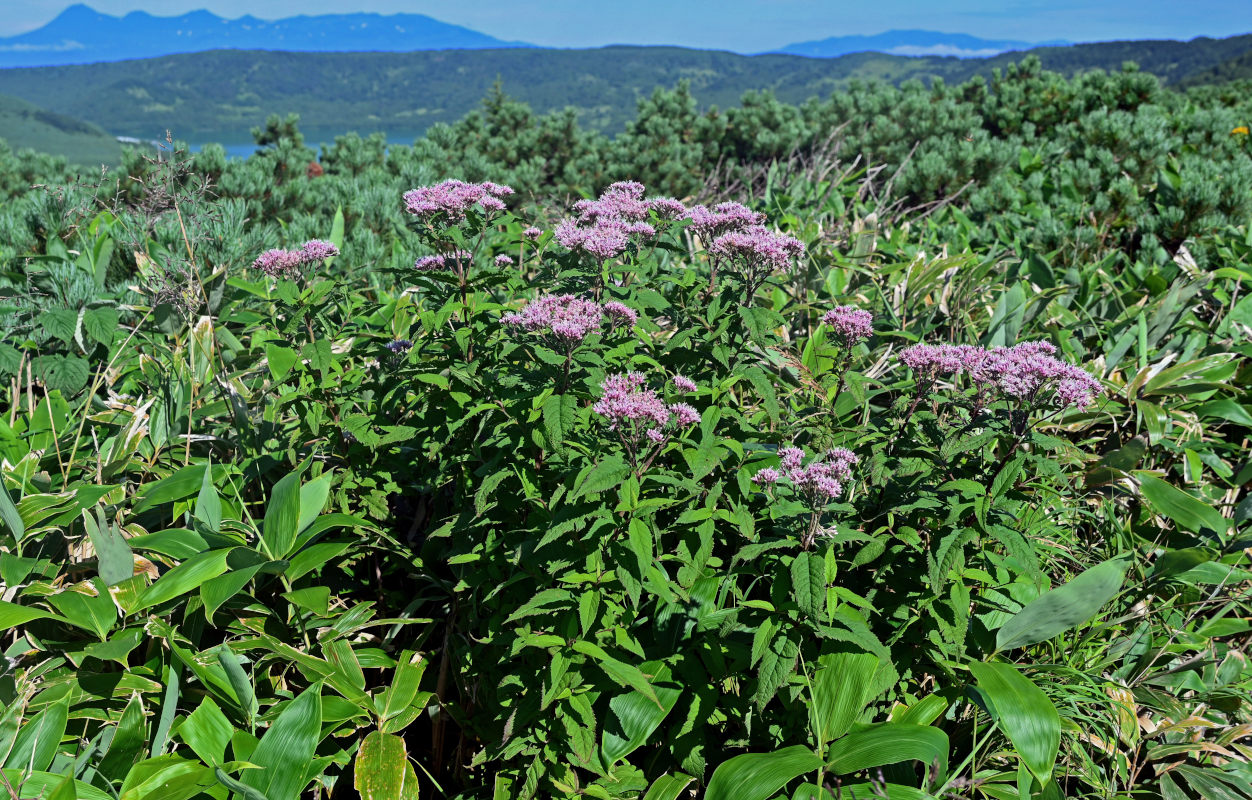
(220, 95)
(23, 124)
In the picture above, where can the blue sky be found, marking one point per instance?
(744, 25)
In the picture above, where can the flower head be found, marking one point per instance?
(758, 250)
(722, 218)
(848, 325)
(503, 260)
(279, 263)
(683, 384)
(453, 199)
(532, 233)
(318, 250)
(818, 482)
(620, 314)
(638, 414)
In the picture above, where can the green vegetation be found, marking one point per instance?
(25, 125)
(221, 95)
(381, 515)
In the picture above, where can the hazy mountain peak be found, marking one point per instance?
(909, 43)
(80, 35)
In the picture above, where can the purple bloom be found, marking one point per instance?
(318, 250)
(453, 199)
(604, 240)
(503, 260)
(638, 414)
(532, 233)
(849, 325)
(446, 261)
(683, 384)
(758, 249)
(767, 476)
(1026, 371)
(620, 314)
(821, 480)
(400, 346)
(602, 228)
(667, 208)
(279, 263)
(685, 415)
(723, 218)
(565, 318)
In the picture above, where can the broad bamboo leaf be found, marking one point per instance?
(287, 748)
(634, 716)
(207, 732)
(1183, 509)
(1024, 713)
(759, 776)
(382, 770)
(1057, 610)
(186, 577)
(282, 517)
(668, 787)
(841, 688)
(39, 739)
(889, 743)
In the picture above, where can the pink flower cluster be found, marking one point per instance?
(568, 319)
(819, 482)
(289, 263)
(602, 227)
(683, 384)
(637, 413)
(447, 261)
(722, 218)
(453, 199)
(757, 250)
(848, 325)
(1026, 371)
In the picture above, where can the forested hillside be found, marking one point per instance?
(221, 95)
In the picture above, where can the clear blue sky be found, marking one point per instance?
(744, 25)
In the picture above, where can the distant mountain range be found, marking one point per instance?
(912, 43)
(82, 35)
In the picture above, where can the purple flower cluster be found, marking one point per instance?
(568, 319)
(722, 218)
(683, 384)
(1026, 371)
(532, 233)
(848, 325)
(453, 199)
(757, 250)
(503, 260)
(289, 263)
(602, 227)
(637, 413)
(446, 261)
(819, 482)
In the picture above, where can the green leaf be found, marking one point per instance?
(841, 690)
(184, 578)
(1024, 713)
(207, 731)
(101, 324)
(209, 504)
(39, 739)
(13, 615)
(282, 517)
(239, 681)
(607, 474)
(95, 613)
(129, 739)
(404, 687)
(759, 776)
(59, 324)
(808, 584)
(1057, 610)
(382, 770)
(888, 743)
(8, 514)
(668, 787)
(634, 716)
(67, 374)
(618, 671)
(1175, 504)
(280, 359)
(174, 487)
(114, 559)
(166, 778)
(558, 417)
(287, 748)
(216, 591)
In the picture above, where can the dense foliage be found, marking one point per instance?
(922, 473)
(218, 95)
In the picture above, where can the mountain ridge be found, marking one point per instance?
(82, 35)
